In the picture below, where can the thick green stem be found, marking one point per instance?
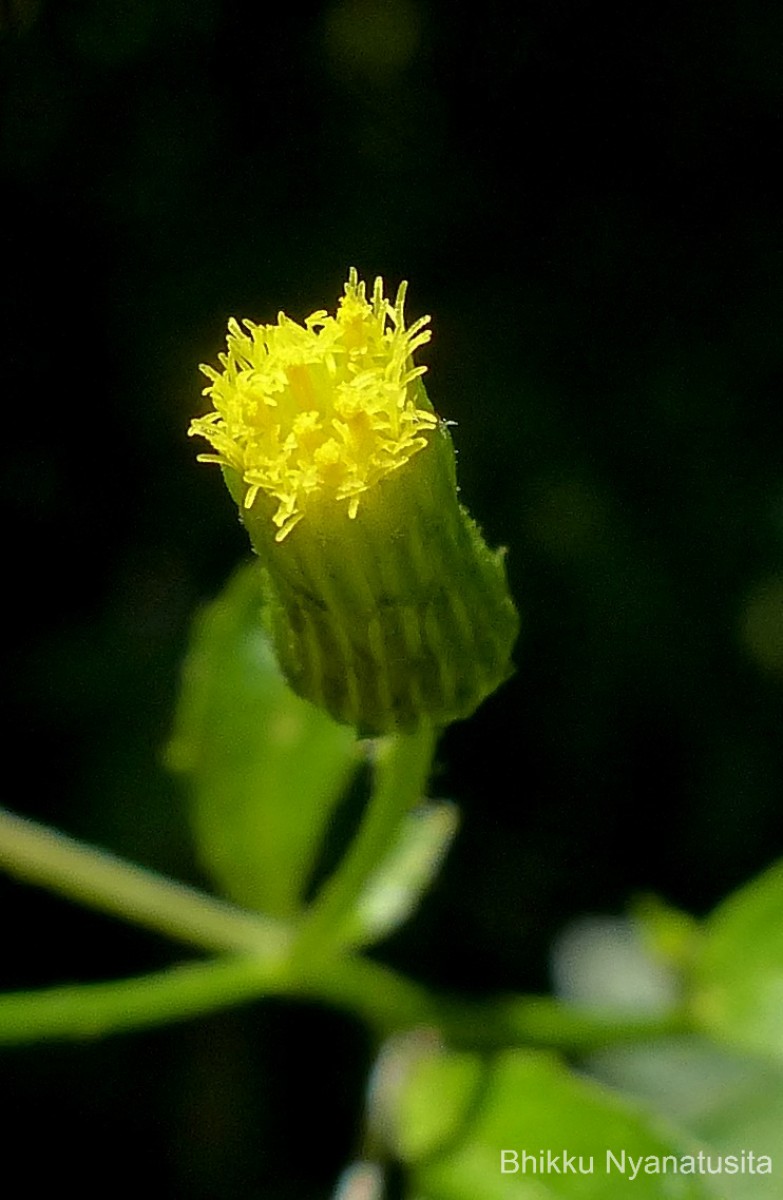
(401, 773)
(38, 855)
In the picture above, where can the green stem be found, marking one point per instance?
(387, 1002)
(401, 773)
(38, 855)
(260, 961)
(96, 1009)
(391, 1003)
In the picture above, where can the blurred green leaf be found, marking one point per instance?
(738, 974)
(411, 1071)
(669, 934)
(530, 1102)
(404, 875)
(266, 768)
(729, 1099)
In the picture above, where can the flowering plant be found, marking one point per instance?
(387, 607)
(375, 607)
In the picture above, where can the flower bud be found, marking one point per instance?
(386, 606)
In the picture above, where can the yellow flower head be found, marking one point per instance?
(384, 603)
(318, 413)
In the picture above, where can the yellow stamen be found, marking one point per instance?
(320, 412)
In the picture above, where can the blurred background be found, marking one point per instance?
(585, 198)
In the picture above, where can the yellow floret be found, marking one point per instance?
(318, 412)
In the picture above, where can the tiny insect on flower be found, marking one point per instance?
(386, 607)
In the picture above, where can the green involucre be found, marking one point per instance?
(398, 617)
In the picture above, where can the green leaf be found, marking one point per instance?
(731, 1100)
(530, 1103)
(738, 973)
(404, 875)
(266, 768)
(668, 933)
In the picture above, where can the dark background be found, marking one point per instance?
(584, 197)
